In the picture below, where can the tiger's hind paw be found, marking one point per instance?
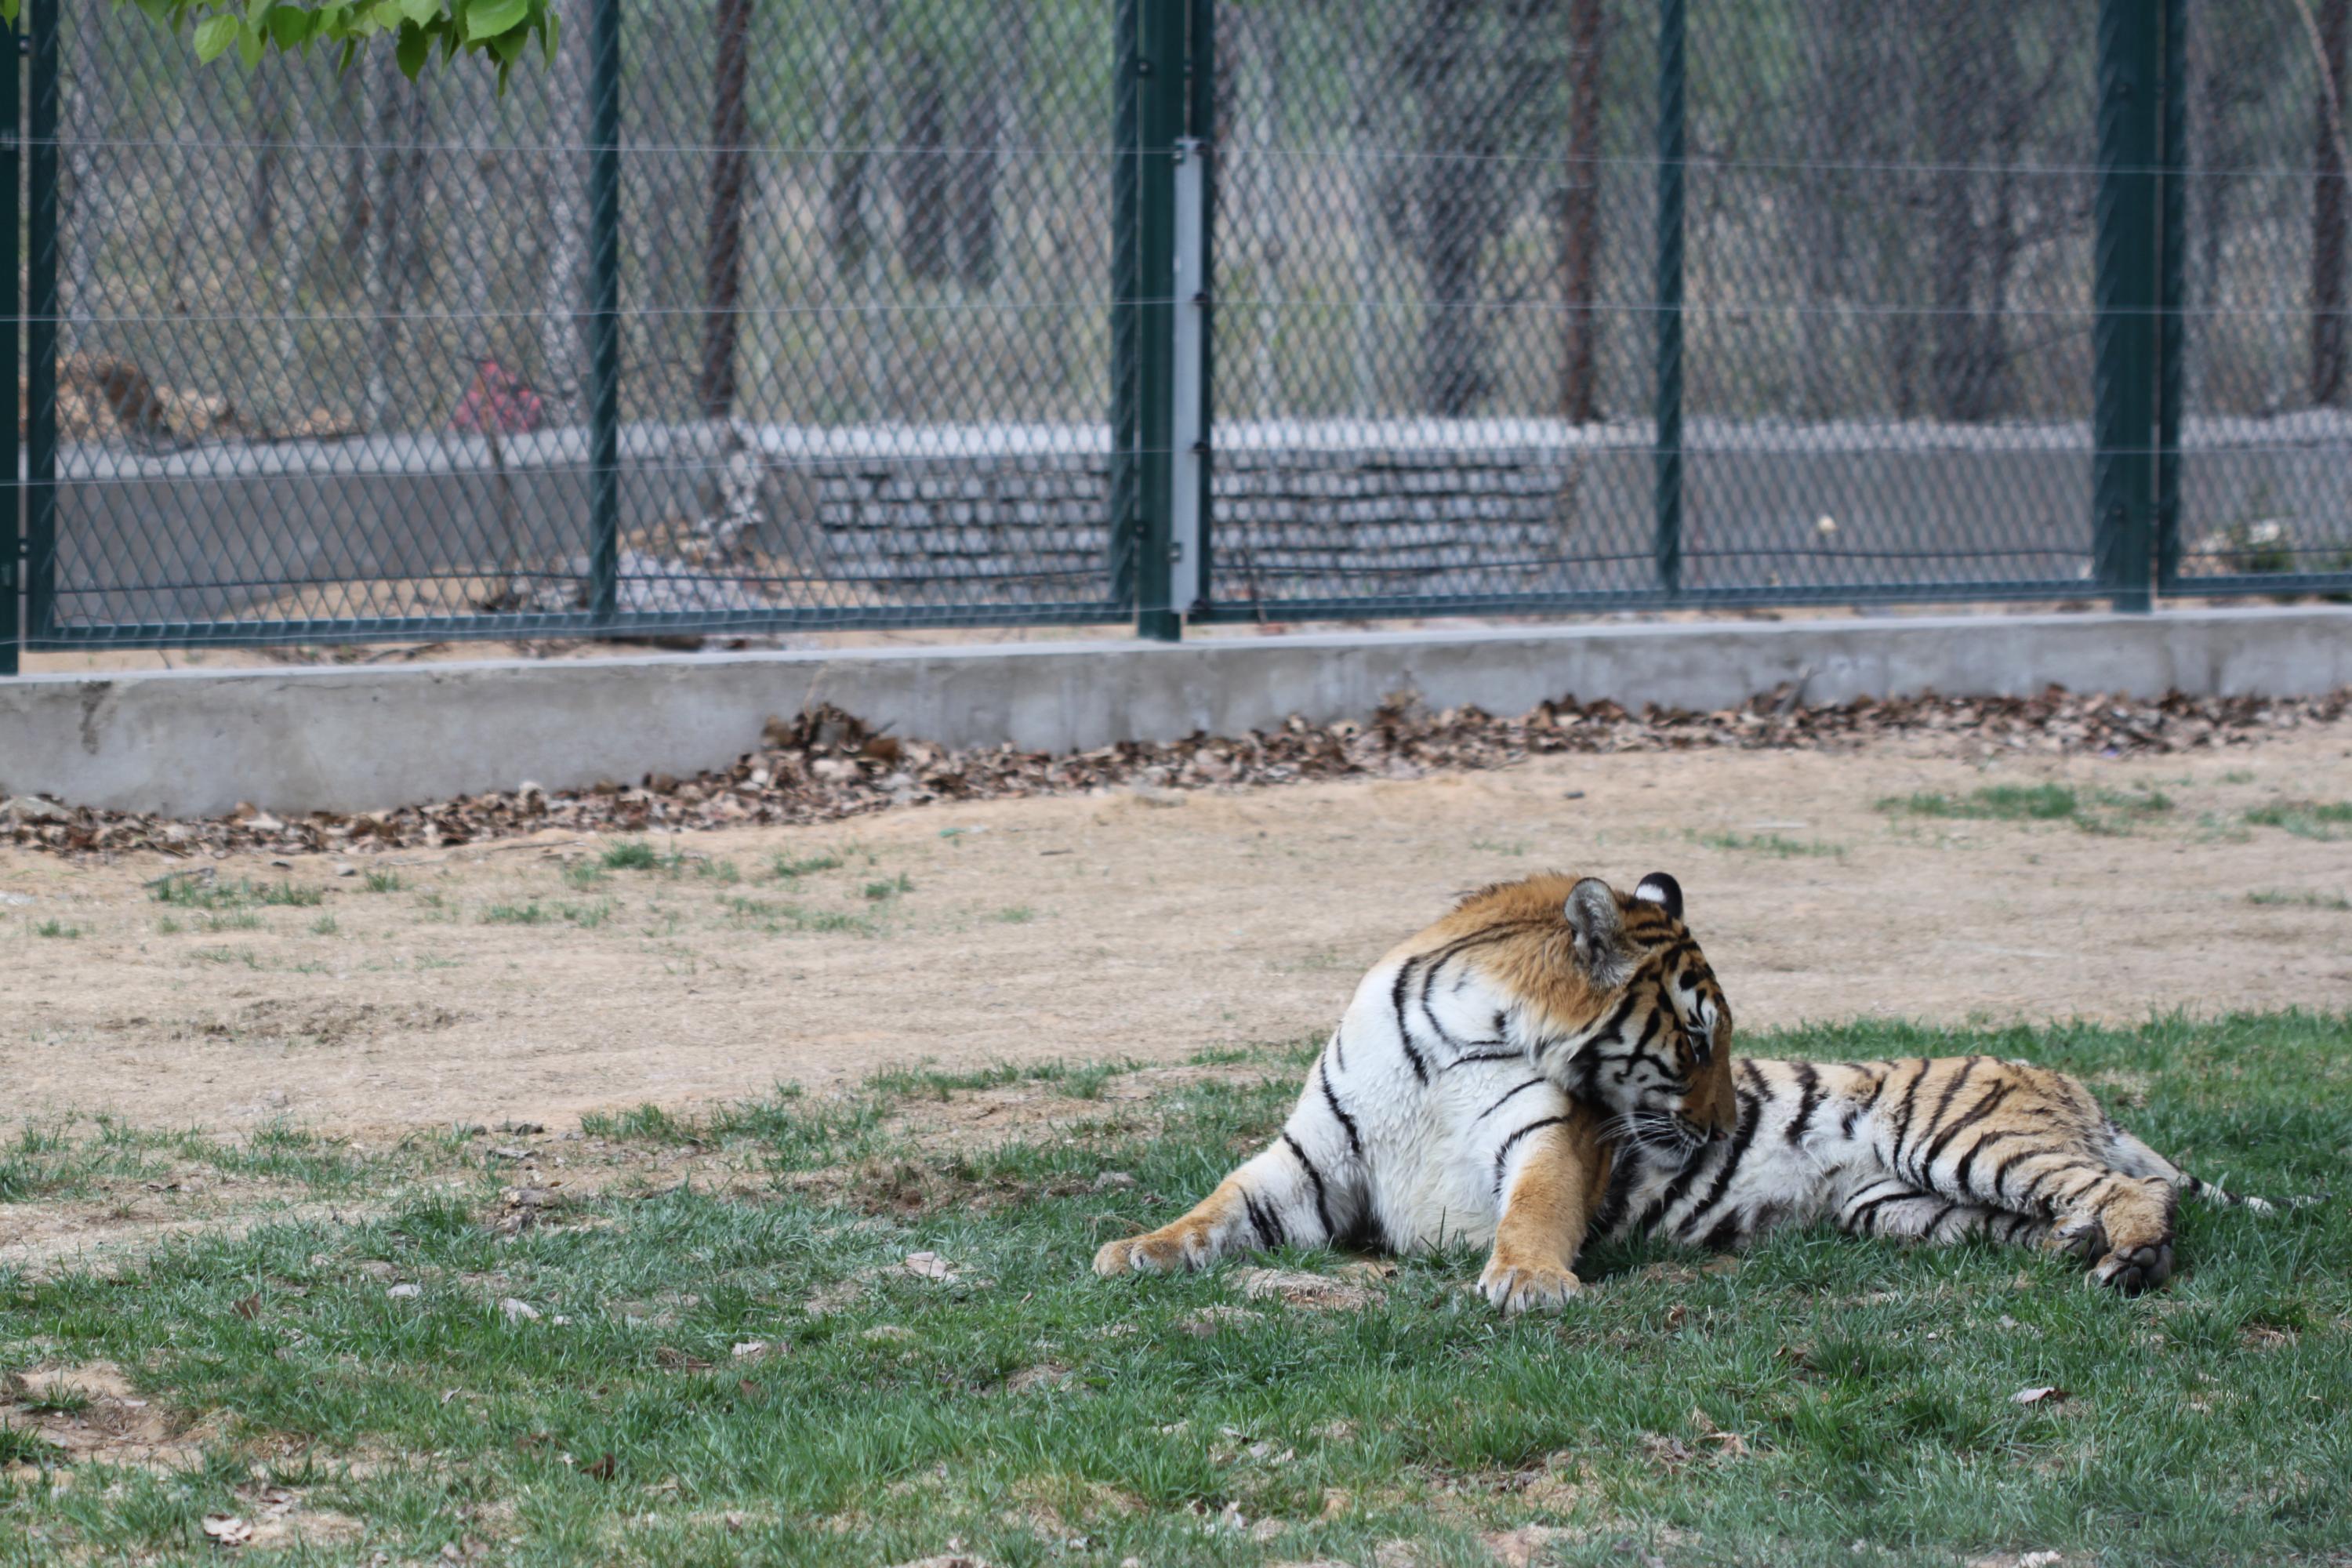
(2082, 1238)
(2136, 1270)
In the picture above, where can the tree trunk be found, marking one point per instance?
(990, 111)
(563, 264)
(924, 195)
(1453, 215)
(87, 117)
(1580, 211)
(1958, 94)
(269, 114)
(722, 251)
(351, 125)
(396, 246)
(2329, 208)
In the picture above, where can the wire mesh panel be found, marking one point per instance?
(2265, 463)
(889, 316)
(327, 343)
(1431, 349)
(1888, 329)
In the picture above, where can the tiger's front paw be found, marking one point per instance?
(1163, 1251)
(1520, 1286)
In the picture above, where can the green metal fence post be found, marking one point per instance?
(2172, 348)
(41, 328)
(2124, 293)
(1160, 125)
(12, 571)
(605, 311)
(1668, 492)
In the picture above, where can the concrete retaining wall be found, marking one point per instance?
(195, 743)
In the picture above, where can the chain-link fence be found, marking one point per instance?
(742, 316)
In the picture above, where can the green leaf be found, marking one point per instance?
(214, 36)
(415, 47)
(291, 26)
(249, 44)
(489, 18)
(423, 12)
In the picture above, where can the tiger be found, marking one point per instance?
(1551, 1063)
(1456, 1102)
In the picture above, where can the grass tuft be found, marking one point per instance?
(2305, 819)
(1771, 844)
(2300, 899)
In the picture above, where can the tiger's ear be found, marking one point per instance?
(1659, 888)
(1600, 929)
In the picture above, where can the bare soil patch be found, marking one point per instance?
(526, 981)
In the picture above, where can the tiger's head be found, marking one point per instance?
(1625, 1014)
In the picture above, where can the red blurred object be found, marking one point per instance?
(497, 404)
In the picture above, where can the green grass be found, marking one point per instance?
(1027, 1405)
(775, 919)
(890, 887)
(1769, 844)
(631, 854)
(530, 914)
(2307, 901)
(581, 874)
(2305, 819)
(325, 925)
(381, 882)
(192, 890)
(56, 928)
(789, 867)
(1014, 915)
(2103, 811)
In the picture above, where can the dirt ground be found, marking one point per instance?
(515, 981)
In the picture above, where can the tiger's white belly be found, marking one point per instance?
(1435, 1086)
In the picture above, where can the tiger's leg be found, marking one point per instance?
(1551, 1175)
(1306, 1188)
(2086, 1208)
(1896, 1209)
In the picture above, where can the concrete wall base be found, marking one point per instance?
(195, 743)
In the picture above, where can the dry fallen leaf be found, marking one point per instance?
(227, 1528)
(603, 1470)
(930, 1266)
(2038, 1396)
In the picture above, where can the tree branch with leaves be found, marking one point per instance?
(499, 32)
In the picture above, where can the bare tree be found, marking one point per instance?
(1587, 41)
(923, 171)
(990, 110)
(88, 216)
(563, 262)
(722, 251)
(2328, 206)
(396, 251)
